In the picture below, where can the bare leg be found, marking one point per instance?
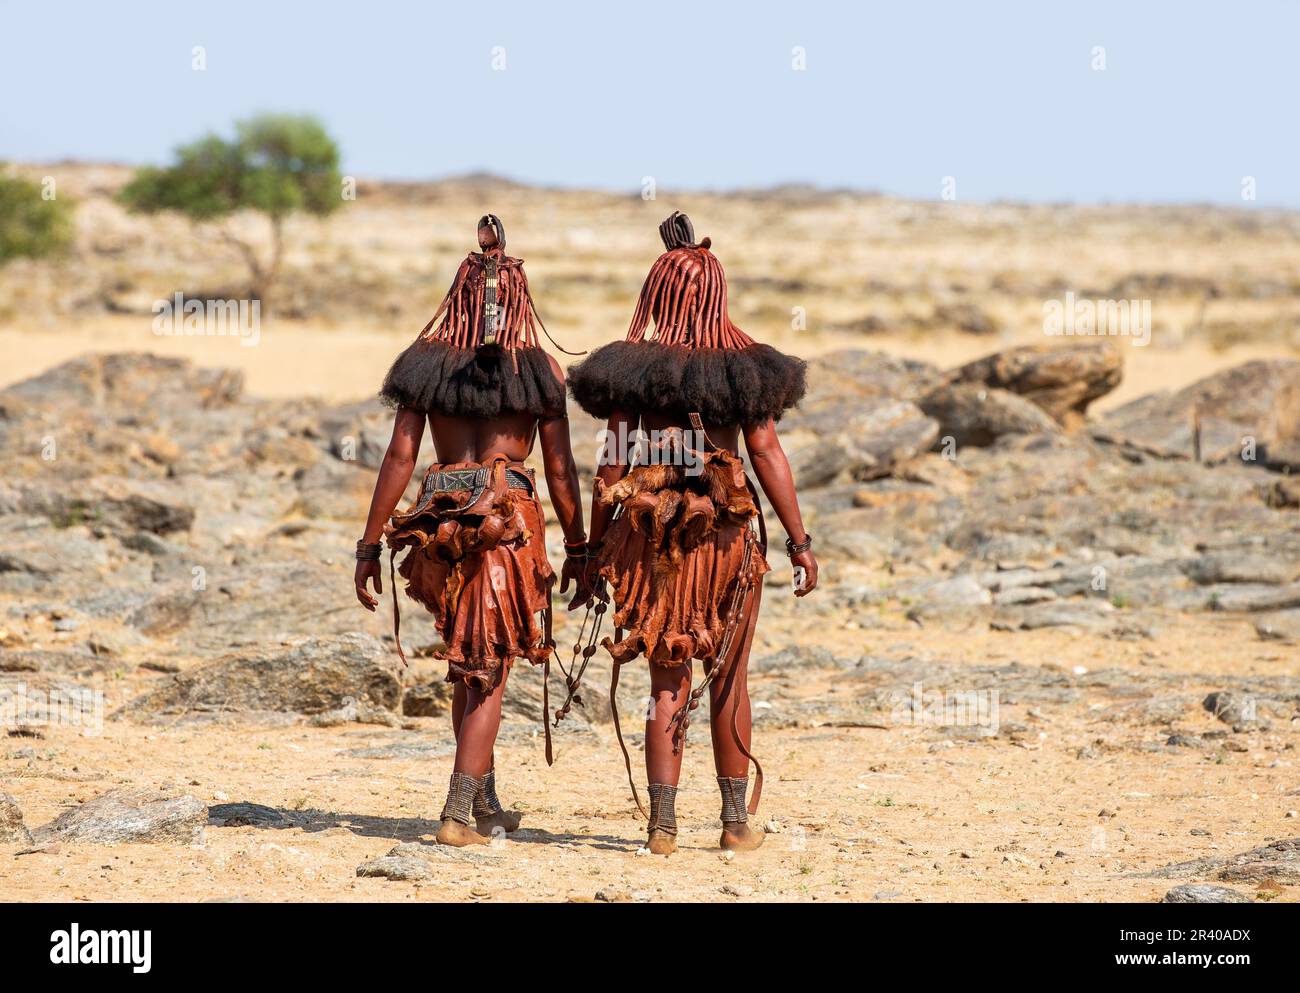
(486, 820)
(669, 689)
(475, 738)
(728, 703)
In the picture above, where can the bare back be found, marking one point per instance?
(463, 439)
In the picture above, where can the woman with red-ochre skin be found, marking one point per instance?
(683, 558)
(487, 616)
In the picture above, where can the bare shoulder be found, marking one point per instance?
(556, 369)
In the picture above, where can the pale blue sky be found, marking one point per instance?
(1000, 96)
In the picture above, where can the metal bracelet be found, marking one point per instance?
(367, 552)
(792, 549)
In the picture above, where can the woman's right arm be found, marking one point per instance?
(394, 475)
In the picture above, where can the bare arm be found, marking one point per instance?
(773, 471)
(394, 474)
(613, 467)
(566, 496)
(561, 475)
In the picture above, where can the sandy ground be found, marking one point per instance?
(859, 813)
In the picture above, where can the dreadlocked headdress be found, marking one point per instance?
(479, 355)
(695, 359)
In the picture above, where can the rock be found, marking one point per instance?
(131, 815)
(401, 868)
(1062, 381)
(12, 829)
(1282, 493)
(247, 815)
(427, 701)
(1241, 567)
(524, 699)
(1091, 615)
(128, 380)
(1278, 861)
(965, 317)
(1023, 595)
(1281, 626)
(359, 711)
(1259, 400)
(872, 439)
(122, 507)
(975, 415)
(960, 598)
(1231, 706)
(414, 862)
(1202, 893)
(311, 676)
(859, 373)
(1253, 598)
(798, 658)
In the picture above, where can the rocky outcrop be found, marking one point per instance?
(1249, 413)
(1061, 380)
(312, 676)
(979, 415)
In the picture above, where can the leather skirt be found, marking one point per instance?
(477, 561)
(674, 554)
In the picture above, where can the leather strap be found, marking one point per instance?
(618, 731)
(547, 617)
(697, 424)
(397, 611)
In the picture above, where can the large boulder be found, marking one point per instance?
(1060, 380)
(864, 441)
(1257, 401)
(858, 419)
(978, 415)
(311, 676)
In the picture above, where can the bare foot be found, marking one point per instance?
(459, 835)
(740, 838)
(661, 843)
(502, 820)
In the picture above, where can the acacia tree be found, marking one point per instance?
(277, 164)
(31, 226)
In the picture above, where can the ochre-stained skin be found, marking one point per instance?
(485, 576)
(682, 559)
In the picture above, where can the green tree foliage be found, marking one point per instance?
(276, 164)
(30, 225)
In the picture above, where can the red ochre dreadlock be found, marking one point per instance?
(455, 366)
(682, 353)
(462, 308)
(685, 295)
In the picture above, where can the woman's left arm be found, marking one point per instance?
(773, 471)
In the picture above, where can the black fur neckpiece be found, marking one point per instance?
(725, 385)
(438, 378)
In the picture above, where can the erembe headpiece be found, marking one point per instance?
(479, 355)
(694, 358)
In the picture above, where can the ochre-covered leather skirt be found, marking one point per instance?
(674, 554)
(477, 561)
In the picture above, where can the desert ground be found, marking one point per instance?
(1093, 543)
